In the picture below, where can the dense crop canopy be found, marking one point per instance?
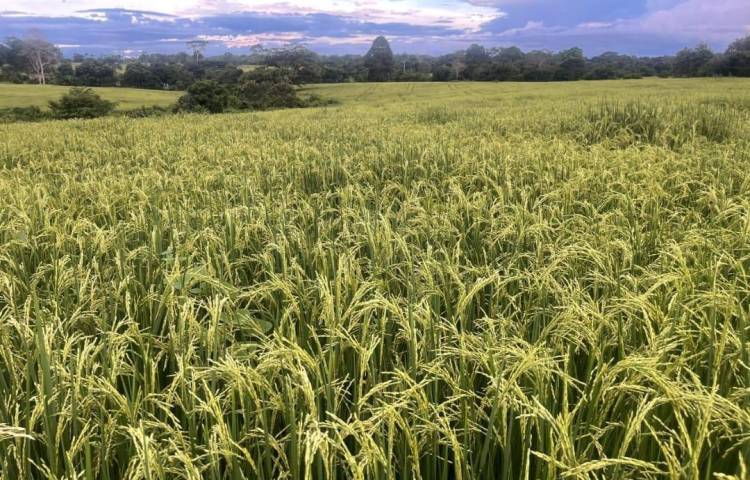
(513, 282)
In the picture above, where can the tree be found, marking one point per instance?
(658, 66)
(65, 74)
(572, 65)
(454, 62)
(4, 54)
(95, 73)
(611, 65)
(266, 88)
(302, 63)
(174, 76)
(379, 61)
(737, 58)
(81, 103)
(227, 75)
(506, 64)
(197, 46)
(693, 62)
(15, 56)
(413, 68)
(138, 75)
(442, 73)
(477, 63)
(40, 55)
(539, 66)
(344, 68)
(205, 96)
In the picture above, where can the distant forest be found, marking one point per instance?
(35, 60)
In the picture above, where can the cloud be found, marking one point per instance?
(117, 30)
(714, 21)
(596, 25)
(649, 27)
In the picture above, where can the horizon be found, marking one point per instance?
(432, 27)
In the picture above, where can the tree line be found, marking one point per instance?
(34, 60)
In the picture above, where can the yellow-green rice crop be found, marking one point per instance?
(426, 282)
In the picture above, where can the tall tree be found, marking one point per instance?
(65, 74)
(4, 54)
(379, 61)
(572, 65)
(303, 65)
(737, 58)
(506, 63)
(96, 73)
(693, 62)
(539, 66)
(197, 46)
(477, 62)
(138, 75)
(40, 55)
(14, 54)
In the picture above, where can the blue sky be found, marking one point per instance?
(643, 27)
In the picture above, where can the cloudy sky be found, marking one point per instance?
(643, 27)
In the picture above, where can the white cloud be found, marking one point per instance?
(70, 7)
(240, 41)
(131, 53)
(451, 13)
(714, 20)
(286, 38)
(529, 27)
(595, 25)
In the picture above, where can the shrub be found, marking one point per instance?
(144, 112)
(264, 89)
(23, 114)
(81, 103)
(206, 96)
(261, 89)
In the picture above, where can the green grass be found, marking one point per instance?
(457, 281)
(40, 95)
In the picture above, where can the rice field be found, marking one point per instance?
(454, 281)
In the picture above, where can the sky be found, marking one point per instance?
(129, 27)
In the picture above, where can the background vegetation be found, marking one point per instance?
(429, 281)
(299, 65)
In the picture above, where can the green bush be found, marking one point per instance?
(23, 114)
(261, 89)
(264, 89)
(206, 96)
(81, 103)
(145, 112)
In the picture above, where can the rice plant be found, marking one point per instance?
(380, 291)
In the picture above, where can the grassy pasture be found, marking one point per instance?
(40, 95)
(427, 281)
